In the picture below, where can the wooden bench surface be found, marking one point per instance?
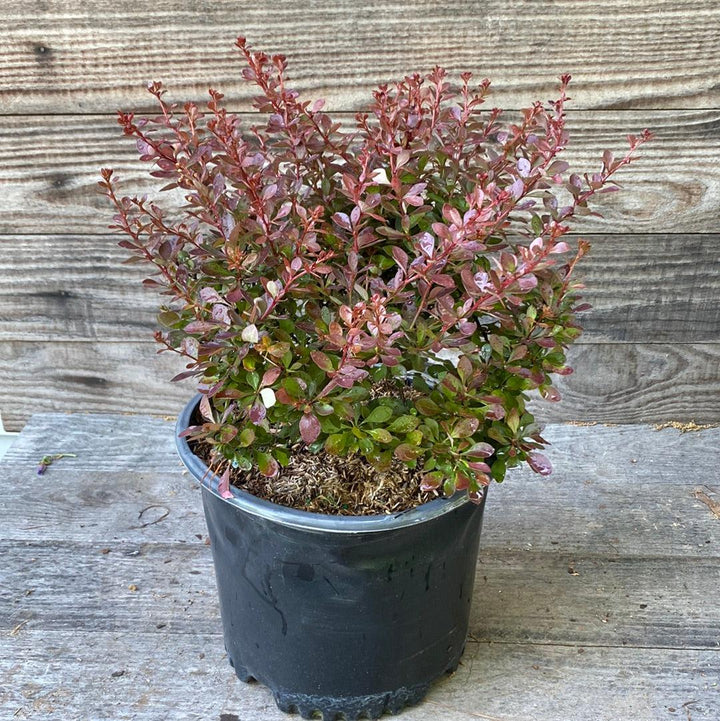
(596, 592)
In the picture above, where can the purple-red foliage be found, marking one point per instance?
(311, 264)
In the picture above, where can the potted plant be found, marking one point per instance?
(366, 312)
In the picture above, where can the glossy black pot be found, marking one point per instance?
(350, 616)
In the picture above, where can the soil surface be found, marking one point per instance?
(329, 484)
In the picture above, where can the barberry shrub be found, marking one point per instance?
(396, 289)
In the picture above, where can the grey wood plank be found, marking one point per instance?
(639, 383)
(630, 453)
(613, 382)
(520, 597)
(102, 506)
(50, 187)
(571, 513)
(89, 377)
(643, 288)
(62, 56)
(60, 675)
(102, 442)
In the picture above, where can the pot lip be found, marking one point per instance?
(306, 520)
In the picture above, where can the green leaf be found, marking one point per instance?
(329, 424)
(282, 456)
(379, 415)
(427, 407)
(414, 437)
(293, 388)
(380, 435)
(323, 409)
(253, 380)
(498, 470)
(356, 393)
(536, 224)
(404, 424)
(168, 318)
(344, 410)
(335, 443)
(242, 462)
(247, 436)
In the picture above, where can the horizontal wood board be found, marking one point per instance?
(612, 382)
(126, 484)
(590, 629)
(60, 676)
(49, 168)
(68, 56)
(519, 597)
(643, 288)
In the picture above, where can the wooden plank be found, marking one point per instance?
(50, 187)
(519, 597)
(587, 515)
(59, 675)
(615, 490)
(616, 383)
(652, 289)
(643, 288)
(89, 377)
(102, 442)
(63, 57)
(641, 383)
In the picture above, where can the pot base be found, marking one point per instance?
(347, 708)
(350, 708)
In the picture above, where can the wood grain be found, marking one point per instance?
(606, 479)
(89, 377)
(616, 383)
(561, 609)
(643, 288)
(519, 597)
(639, 383)
(49, 167)
(136, 508)
(68, 676)
(63, 56)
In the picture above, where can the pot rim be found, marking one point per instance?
(297, 518)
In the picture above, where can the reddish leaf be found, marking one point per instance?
(406, 452)
(479, 450)
(539, 463)
(309, 428)
(224, 484)
(322, 361)
(465, 427)
(431, 481)
(257, 413)
(270, 376)
(550, 394)
(199, 326)
(400, 256)
(342, 220)
(427, 407)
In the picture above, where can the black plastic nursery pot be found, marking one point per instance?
(347, 616)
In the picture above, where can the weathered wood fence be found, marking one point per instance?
(75, 324)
